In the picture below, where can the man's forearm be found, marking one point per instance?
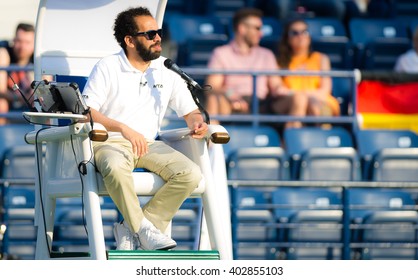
(108, 123)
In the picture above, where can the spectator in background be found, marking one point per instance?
(408, 62)
(302, 95)
(20, 54)
(233, 93)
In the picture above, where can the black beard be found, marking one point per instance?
(146, 54)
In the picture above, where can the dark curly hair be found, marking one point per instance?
(125, 24)
(285, 50)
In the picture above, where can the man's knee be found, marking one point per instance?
(113, 166)
(189, 178)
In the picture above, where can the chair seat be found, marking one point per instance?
(147, 183)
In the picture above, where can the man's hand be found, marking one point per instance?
(199, 130)
(138, 141)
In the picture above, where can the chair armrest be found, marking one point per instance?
(57, 133)
(216, 133)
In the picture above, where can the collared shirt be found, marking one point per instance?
(407, 62)
(138, 99)
(228, 57)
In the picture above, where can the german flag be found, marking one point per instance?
(388, 101)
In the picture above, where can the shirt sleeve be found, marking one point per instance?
(95, 91)
(181, 100)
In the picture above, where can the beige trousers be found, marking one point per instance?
(116, 161)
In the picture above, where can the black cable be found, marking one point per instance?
(40, 181)
(34, 91)
(40, 190)
(16, 87)
(193, 91)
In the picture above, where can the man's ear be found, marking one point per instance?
(129, 41)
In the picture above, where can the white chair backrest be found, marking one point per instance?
(71, 36)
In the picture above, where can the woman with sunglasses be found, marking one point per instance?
(302, 95)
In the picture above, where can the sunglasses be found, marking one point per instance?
(294, 33)
(150, 34)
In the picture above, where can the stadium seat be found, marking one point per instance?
(258, 163)
(383, 53)
(183, 28)
(329, 36)
(19, 162)
(272, 28)
(184, 7)
(252, 224)
(225, 9)
(339, 50)
(310, 221)
(378, 42)
(325, 27)
(398, 147)
(406, 8)
(396, 164)
(246, 136)
(280, 9)
(344, 89)
(198, 50)
(272, 31)
(70, 233)
(328, 164)
(186, 225)
(321, 154)
(321, 8)
(385, 223)
(12, 135)
(20, 235)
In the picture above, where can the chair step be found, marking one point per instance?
(163, 255)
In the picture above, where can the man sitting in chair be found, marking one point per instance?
(128, 93)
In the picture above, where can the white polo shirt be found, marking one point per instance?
(138, 99)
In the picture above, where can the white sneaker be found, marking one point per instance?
(125, 238)
(151, 238)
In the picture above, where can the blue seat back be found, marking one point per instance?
(246, 136)
(299, 140)
(12, 135)
(258, 163)
(365, 201)
(198, 50)
(181, 28)
(325, 27)
(80, 80)
(371, 141)
(272, 28)
(19, 162)
(363, 31)
(324, 8)
(343, 90)
(290, 200)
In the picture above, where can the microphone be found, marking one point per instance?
(174, 67)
